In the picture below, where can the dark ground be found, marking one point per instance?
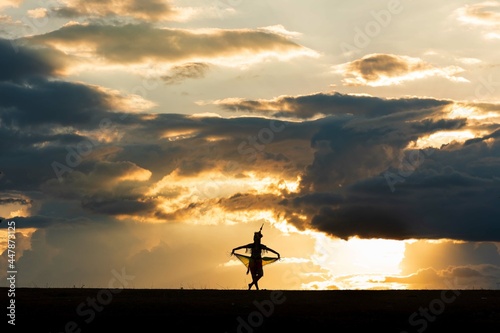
(166, 310)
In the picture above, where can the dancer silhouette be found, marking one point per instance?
(255, 261)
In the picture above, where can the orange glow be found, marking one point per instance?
(16, 209)
(139, 174)
(213, 184)
(176, 135)
(215, 138)
(472, 113)
(27, 232)
(436, 140)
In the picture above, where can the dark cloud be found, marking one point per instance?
(44, 221)
(32, 95)
(447, 195)
(64, 104)
(19, 63)
(328, 199)
(43, 118)
(369, 221)
(180, 73)
(249, 202)
(494, 135)
(379, 188)
(352, 149)
(8, 201)
(309, 106)
(431, 125)
(116, 205)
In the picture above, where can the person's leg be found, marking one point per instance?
(256, 282)
(251, 268)
(259, 272)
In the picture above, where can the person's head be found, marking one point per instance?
(257, 236)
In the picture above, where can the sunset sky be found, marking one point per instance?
(153, 136)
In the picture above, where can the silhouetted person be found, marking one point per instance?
(255, 259)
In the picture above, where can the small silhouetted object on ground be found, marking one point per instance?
(255, 261)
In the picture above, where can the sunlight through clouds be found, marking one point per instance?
(357, 256)
(141, 133)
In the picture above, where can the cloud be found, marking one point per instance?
(19, 63)
(171, 47)
(151, 10)
(362, 147)
(10, 3)
(182, 72)
(347, 151)
(68, 104)
(16, 203)
(388, 69)
(449, 265)
(438, 184)
(145, 168)
(323, 104)
(29, 83)
(457, 278)
(443, 254)
(280, 29)
(5, 201)
(484, 15)
(331, 169)
(75, 117)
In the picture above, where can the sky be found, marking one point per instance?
(151, 137)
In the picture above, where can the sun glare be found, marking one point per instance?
(366, 259)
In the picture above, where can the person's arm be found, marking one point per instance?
(247, 246)
(271, 250)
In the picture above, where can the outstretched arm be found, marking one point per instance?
(271, 250)
(247, 246)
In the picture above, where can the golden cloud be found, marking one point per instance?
(139, 44)
(485, 15)
(380, 69)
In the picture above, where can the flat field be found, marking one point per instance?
(172, 310)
